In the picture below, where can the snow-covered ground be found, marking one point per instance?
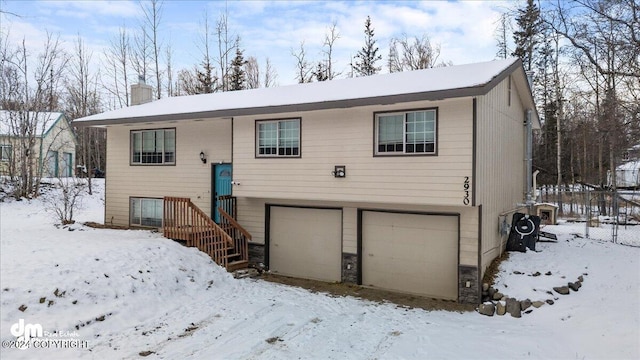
(117, 294)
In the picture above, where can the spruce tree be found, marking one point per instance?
(526, 37)
(238, 77)
(206, 81)
(321, 72)
(368, 55)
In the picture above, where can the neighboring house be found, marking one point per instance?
(396, 181)
(54, 152)
(628, 173)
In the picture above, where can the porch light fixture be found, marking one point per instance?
(339, 171)
(202, 157)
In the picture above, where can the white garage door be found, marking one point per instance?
(411, 253)
(306, 243)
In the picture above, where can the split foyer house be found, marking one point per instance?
(395, 181)
(54, 150)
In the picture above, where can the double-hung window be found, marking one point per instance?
(145, 212)
(278, 138)
(5, 152)
(153, 147)
(407, 132)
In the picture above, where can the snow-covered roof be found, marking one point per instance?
(629, 166)
(45, 121)
(433, 84)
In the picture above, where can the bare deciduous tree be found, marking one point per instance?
(117, 67)
(225, 49)
(326, 65)
(25, 101)
(187, 82)
(270, 74)
(152, 11)
(501, 32)
(252, 71)
(303, 68)
(83, 100)
(604, 45)
(170, 82)
(141, 53)
(407, 54)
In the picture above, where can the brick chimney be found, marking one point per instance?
(141, 92)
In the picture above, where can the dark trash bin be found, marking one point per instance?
(524, 232)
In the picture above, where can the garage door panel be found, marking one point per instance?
(411, 253)
(306, 243)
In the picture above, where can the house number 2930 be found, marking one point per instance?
(465, 199)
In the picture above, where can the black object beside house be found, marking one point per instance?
(524, 232)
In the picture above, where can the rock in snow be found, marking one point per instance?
(487, 309)
(562, 290)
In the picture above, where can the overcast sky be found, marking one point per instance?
(463, 29)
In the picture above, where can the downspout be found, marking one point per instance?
(528, 158)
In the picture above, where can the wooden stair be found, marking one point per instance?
(237, 265)
(227, 244)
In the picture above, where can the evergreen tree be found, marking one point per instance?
(365, 64)
(238, 77)
(526, 37)
(206, 80)
(321, 73)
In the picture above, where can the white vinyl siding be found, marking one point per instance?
(153, 146)
(278, 138)
(189, 177)
(346, 137)
(500, 167)
(146, 212)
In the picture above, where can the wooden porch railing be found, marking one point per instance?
(182, 220)
(228, 204)
(239, 235)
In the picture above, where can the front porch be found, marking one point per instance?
(226, 243)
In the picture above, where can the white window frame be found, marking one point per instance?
(405, 132)
(137, 205)
(280, 149)
(163, 153)
(5, 152)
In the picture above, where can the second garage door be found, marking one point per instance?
(411, 253)
(306, 242)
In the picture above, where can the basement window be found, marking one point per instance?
(153, 147)
(406, 133)
(145, 212)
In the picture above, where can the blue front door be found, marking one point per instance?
(222, 185)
